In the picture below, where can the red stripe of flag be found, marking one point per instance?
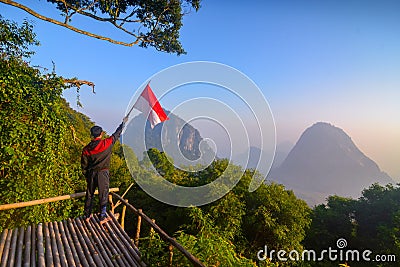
(149, 105)
(152, 99)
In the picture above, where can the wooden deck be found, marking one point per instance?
(71, 242)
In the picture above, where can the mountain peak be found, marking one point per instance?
(180, 140)
(325, 161)
(327, 131)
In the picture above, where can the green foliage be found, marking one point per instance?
(119, 171)
(210, 244)
(15, 40)
(148, 23)
(275, 217)
(34, 163)
(154, 250)
(38, 156)
(161, 163)
(77, 134)
(231, 230)
(227, 213)
(377, 215)
(371, 222)
(332, 221)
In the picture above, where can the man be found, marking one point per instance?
(95, 162)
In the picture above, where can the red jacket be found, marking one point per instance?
(96, 155)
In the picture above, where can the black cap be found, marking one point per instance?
(96, 131)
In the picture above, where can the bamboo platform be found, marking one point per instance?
(72, 242)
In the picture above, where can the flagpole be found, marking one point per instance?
(127, 115)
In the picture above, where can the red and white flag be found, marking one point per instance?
(149, 105)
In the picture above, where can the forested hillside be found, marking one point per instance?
(36, 143)
(40, 147)
(41, 136)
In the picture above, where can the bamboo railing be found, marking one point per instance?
(44, 238)
(161, 232)
(47, 200)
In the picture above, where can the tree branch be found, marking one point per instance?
(66, 12)
(39, 16)
(78, 83)
(75, 137)
(127, 17)
(83, 12)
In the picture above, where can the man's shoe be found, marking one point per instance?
(104, 218)
(87, 217)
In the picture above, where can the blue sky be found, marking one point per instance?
(333, 61)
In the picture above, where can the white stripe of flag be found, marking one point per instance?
(148, 104)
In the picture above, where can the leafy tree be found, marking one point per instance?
(240, 222)
(145, 22)
(210, 244)
(37, 158)
(371, 222)
(33, 162)
(332, 221)
(275, 217)
(161, 163)
(227, 214)
(15, 40)
(378, 220)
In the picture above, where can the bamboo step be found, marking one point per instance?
(72, 242)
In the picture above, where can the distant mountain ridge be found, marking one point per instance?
(176, 137)
(252, 157)
(325, 161)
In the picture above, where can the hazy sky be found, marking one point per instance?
(332, 61)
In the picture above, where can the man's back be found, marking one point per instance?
(96, 155)
(95, 161)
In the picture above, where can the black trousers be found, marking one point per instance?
(94, 179)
